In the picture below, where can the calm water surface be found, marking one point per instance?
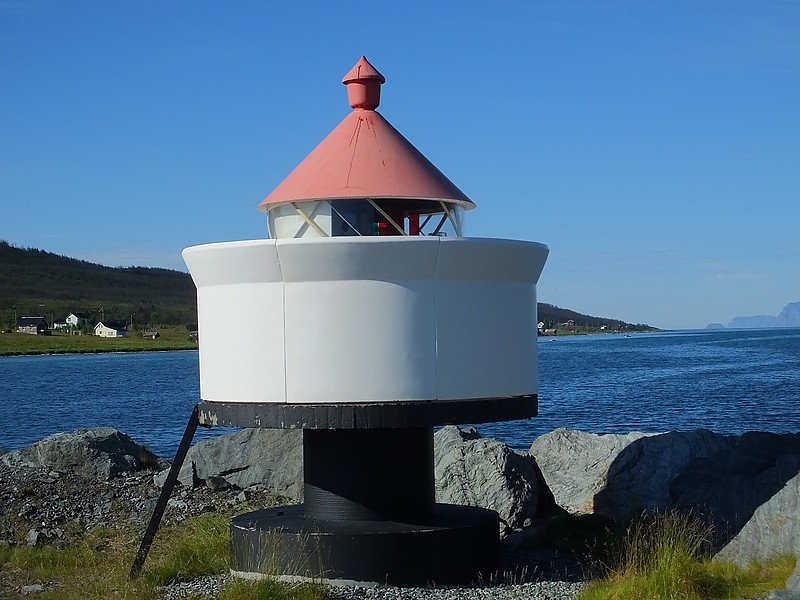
(727, 381)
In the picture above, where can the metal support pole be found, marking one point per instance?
(166, 490)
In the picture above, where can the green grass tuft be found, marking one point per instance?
(98, 567)
(197, 547)
(666, 557)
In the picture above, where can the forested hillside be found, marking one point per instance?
(34, 282)
(551, 316)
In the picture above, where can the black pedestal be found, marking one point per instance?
(369, 516)
(455, 545)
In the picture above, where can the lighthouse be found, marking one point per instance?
(366, 319)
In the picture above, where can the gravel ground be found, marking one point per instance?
(47, 507)
(208, 587)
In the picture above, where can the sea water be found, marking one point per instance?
(728, 381)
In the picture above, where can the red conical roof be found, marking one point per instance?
(365, 157)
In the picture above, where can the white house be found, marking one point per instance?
(77, 319)
(111, 329)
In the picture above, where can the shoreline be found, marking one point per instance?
(171, 338)
(58, 352)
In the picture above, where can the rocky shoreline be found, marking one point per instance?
(56, 491)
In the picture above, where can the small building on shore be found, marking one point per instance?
(111, 329)
(33, 325)
(77, 319)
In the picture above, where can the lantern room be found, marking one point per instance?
(365, 179)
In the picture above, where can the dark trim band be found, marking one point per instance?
(366, 416)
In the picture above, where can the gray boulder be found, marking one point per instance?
(476, 471)
(720, 480)
(272, 458)
(773, 530)
(618, 476)
(728, 487)
(100, 452)
(575, 464)
(793, 583)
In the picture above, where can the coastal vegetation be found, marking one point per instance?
(97, 567)
(666, 557)
(569, 322)
(656, 558)
(170, 338)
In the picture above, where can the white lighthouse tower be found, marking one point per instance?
(366, 319)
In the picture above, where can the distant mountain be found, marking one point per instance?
(788, 317)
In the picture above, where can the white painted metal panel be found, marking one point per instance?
(359, 320)
(240, 321)
(366, 319)
(486, 318)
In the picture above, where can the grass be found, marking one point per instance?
(659, 557)
(197, 548)
(172, 338)
(98, 567)
(667, 557)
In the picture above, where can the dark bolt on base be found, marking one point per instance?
(454, 545)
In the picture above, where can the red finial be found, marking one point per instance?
(364, 85)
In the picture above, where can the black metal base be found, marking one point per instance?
(369, 516)
(453, 545)
(275, 415)
(368, 474)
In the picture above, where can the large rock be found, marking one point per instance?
(477, 471)
(575, 464)
(272, 458)
(793, 583)
(720, 480)
(774, 528)
(100, 452)
(728, 487)
(618, 475)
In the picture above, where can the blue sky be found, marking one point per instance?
(654, 146)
